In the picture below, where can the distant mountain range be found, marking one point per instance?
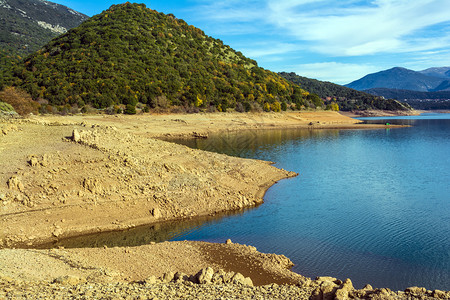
(429, 80)
(427, 89)
(27, 25)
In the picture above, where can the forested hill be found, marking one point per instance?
(26, 25)
(347, 98)
(130, 54)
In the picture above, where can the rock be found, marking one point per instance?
(93, 185)
(76, 136)
(205, 275)
(326, 290)
(179, 276)
(33, 161)
(228, 242)
(68, 280)
(440, 294)
(218, 277)
(57, 232)
(342, 293)
(168, 277)
(14, 183)
(415, 290)
(238, 278)
(156, 213)
(151, 280)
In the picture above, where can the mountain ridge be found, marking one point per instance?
(28, 25)
(397, 78)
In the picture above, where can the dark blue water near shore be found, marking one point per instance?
(371, 205)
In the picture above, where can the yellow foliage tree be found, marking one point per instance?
(276, 106)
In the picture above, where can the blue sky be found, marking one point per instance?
(337, 41)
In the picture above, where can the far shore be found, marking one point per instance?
(68, 176)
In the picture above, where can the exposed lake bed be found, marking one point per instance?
(95, 205)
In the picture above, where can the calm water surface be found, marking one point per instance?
(370, 205)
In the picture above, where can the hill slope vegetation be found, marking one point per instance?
(131, 54)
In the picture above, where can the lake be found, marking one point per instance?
(370, 205)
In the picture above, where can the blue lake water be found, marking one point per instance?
(370, 205)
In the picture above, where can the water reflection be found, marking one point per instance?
(247, 143)
(141, 235)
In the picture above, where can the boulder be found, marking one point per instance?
(240, 279)
(205, 275)
(76, 137)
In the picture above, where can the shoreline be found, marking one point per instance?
(87, 174)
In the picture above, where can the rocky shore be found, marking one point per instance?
(69, 176)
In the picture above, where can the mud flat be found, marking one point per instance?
(69, 176)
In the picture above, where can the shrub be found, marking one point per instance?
(130, 109)
(20, 100)
(239, 107)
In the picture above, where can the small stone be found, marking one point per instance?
(68, 280)
(151, 280)
(33, 161)
(228, 242)
(156, 213)
(57, 232)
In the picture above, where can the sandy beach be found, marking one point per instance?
(68, 176)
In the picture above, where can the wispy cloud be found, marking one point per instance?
(339, 28)
(269, 49)
(352, 28)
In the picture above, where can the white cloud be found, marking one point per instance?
(342, 28)
(269, 49)
(336, 72)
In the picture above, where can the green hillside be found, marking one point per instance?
(131, 54)
(348, 99)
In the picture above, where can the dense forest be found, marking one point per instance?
(130, 54)
(348, 99)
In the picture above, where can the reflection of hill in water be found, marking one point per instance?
(247, 143)
(141, 235)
